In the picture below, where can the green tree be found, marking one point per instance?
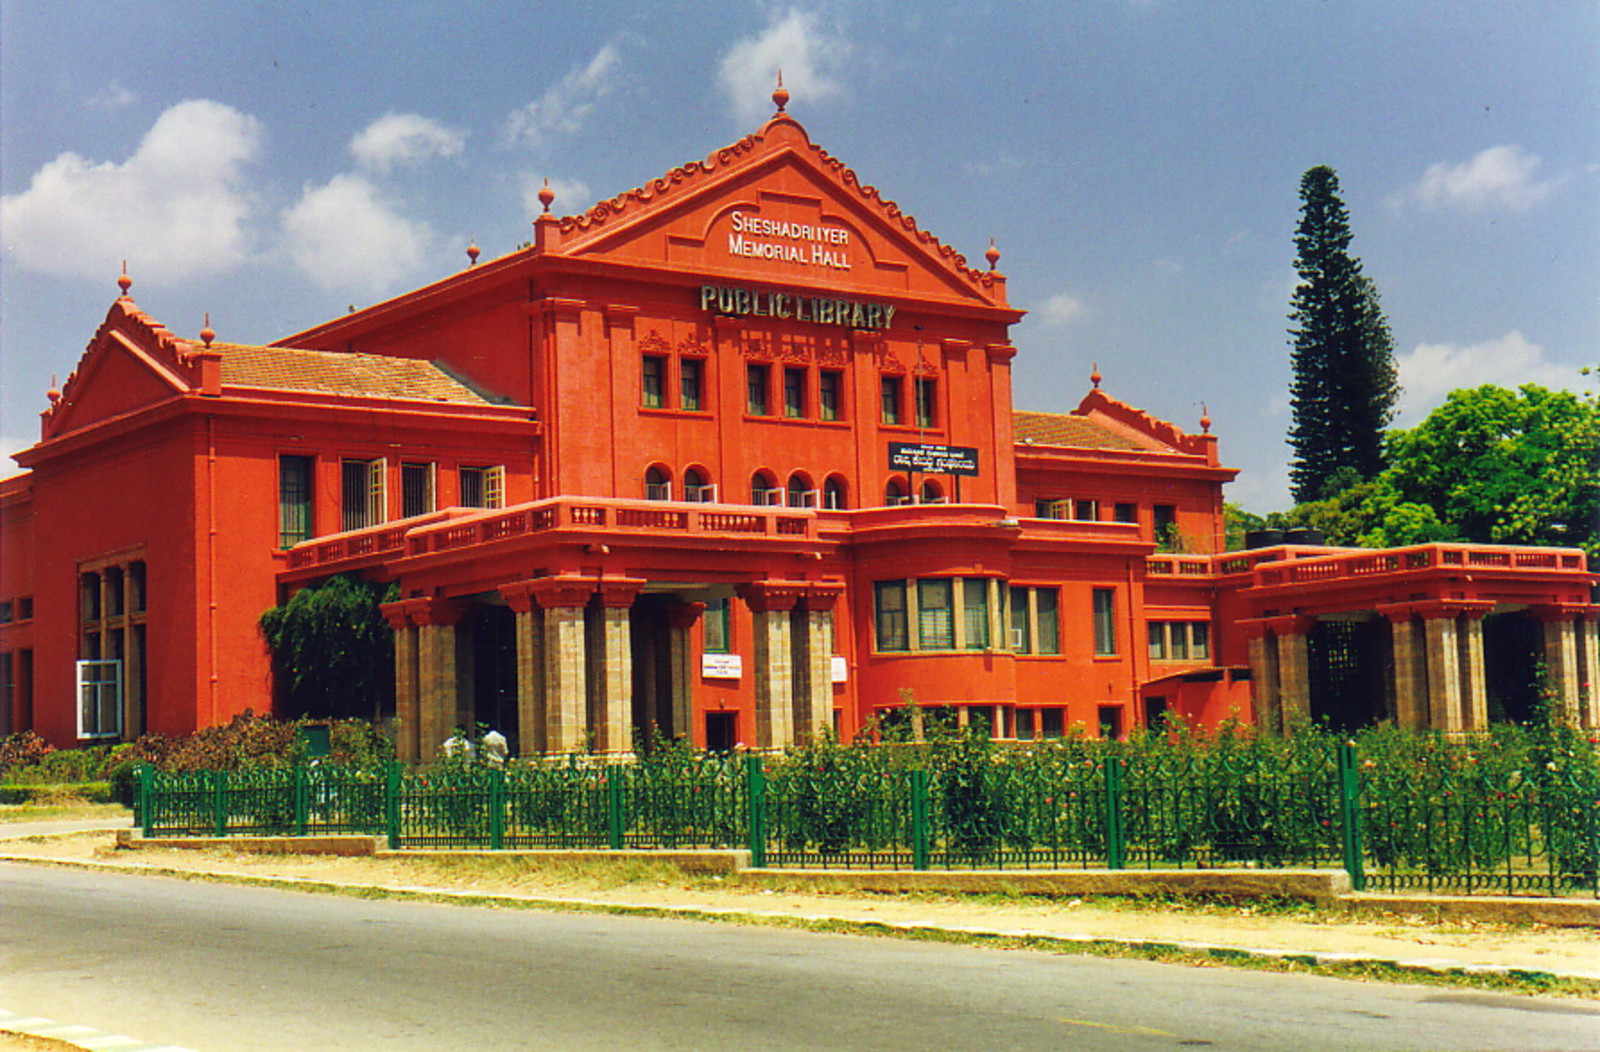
(332, 651)
(1344, 385)
(1506, 467)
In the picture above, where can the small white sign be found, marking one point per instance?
(841, 669)
(721, 666)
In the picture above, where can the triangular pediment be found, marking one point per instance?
(132, 362)
(775, 208)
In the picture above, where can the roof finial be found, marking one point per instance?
(993, 255)
(54, 394)
(780, 95)
(1094, 377)
(546, 195)
(124, 283)
(472, 252)
(1205, 419)
(206, 334)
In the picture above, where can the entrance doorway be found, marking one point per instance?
(1512, 646)
(1349, 671)
(651, 638)
(492, 631)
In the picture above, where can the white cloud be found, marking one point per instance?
(178, 208)
(809, 54)
(344, 235)
(405, 139)
(111, 97)
(572, 195)
(1431, 371)
(1501, 176)
(1062, 308)
(565, 107)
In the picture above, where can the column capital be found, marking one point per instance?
(435, 611)
(563, 590)
(771, 596)
(823, 595)
(619, 592)
(396, 613)
(684, 615)
(1557, 613)
(1290, 624)
(519, 596)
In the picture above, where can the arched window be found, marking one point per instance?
(764, 490)
(932, 492)
(657, 486)
(894, 492)
(696, 488)
(833, 494)
(801, 495)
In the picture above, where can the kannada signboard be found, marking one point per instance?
(933, 459)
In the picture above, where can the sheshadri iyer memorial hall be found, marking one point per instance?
(732, 456)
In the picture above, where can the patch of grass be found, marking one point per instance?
(62, 808)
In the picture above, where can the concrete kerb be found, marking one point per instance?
(1035, 939)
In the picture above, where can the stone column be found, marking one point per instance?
(611, 717)
(408, 746)
(1410, 670)
(438, 694)
(531, 727)
(680, 620)
(1589, 665)
(1474, 684)
(1294, 671)
(813, 710)
(565, 669)
(1442, 654)
(1266, 703)
(1561, 656)
(771, 603)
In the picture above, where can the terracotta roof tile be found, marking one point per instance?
(1067, 429)
(334, 372)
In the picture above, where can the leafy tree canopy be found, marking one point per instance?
(332, 651)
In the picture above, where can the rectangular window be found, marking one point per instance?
(927, 389)
(482, 487)
(794, 393)
(654, 385)
(8, 688)
(294, 500)
(1105, 622)
(936, 621)
(890, 397)
(1051, 723)
(829, 390)
(136, 589)
(715, 620)
(891, 615)
(1158, 640)
(691, 377)
(1126, 513)
(756, 389)
(1021, 622)
(1049, 620)
(975, 607)
(1200, 640)
(1024, 725)
(1178, 637)
(1166, 526)
(99, 699)
(416, 489)
(1155, 713)
(365, 493)
(1086, 510)
(1110, 718)
(89, 596)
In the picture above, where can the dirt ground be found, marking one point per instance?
(1291, 929)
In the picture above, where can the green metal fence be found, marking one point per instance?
(1437, 825)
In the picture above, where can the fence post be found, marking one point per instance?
(614, 806)
(921, 840)
(756, 780)
(391, 803)
(1350, 815)
(302, 801)
(497, 808)
(143, 787)
(219, 802)
(1115, 848)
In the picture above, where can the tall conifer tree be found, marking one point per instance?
(1344, 386)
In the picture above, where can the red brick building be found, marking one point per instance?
(732, 455)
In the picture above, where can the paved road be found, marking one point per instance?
(218, 968)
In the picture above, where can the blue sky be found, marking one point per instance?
(1136, 162)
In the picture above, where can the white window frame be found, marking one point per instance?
(703, 494)
(494, 483)
(100, 693)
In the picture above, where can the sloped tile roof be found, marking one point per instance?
(1067, 429)
(334, 372)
